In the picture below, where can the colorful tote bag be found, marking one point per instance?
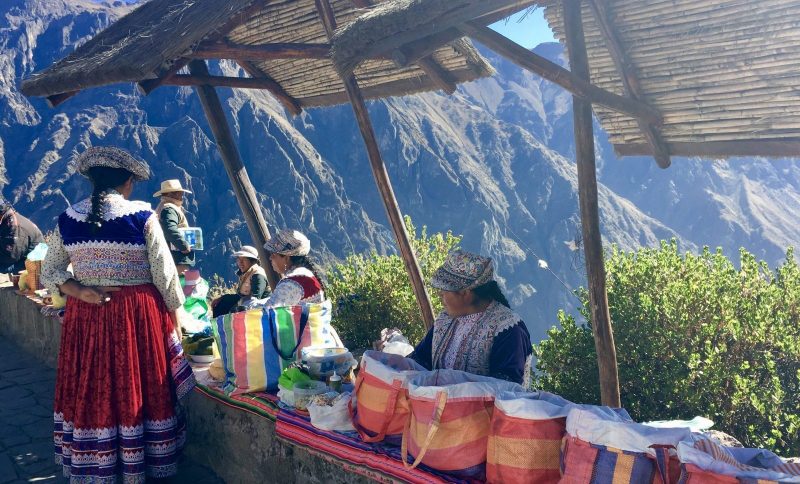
(257, 345)
(706, 462)
(525, 438)
(381, 409)
(601, 448)
(451, 413)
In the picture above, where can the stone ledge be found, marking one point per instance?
(238, 446)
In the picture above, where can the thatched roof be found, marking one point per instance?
(155, 36)
(723, 74)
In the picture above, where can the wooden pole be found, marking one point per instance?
(381, 177)
(590, 218)
(553, 72)
(240, 180)
(264, 52)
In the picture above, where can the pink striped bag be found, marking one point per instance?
(381, 410)
(451, 413)
(703, 461)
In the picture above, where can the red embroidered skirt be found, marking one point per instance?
(121, 373)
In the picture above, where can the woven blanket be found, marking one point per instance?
(381, 463)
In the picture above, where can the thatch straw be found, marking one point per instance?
(395, 23)
(158, 33)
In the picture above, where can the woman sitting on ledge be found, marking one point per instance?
(252, 282)
(477, 332)
(301, 279)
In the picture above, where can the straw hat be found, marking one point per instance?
(170, 186)
(289, 242)
(247, 251)
(463, 270)
(111, 157)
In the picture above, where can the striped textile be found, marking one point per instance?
(376, 461)
(257, 345)
(585, 463)
(716, 464)
(524, 450)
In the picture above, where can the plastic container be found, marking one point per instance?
(323, 362)
(194, 237)
(304, 390)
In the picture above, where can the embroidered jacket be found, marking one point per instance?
(129, 249)
(495, 344)
(297, 286)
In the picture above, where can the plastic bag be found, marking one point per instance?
(334, 417)
(38, 253)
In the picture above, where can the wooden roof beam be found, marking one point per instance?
(413, 51)
(259, 53)
(149, 85)
(438, 75)
(290, 103)
(630, 80)
(558, 75)
(773, 148)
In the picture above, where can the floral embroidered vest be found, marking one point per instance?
(476, 348)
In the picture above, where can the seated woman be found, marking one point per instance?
(477, 332)
(301, 279)
(252, 283)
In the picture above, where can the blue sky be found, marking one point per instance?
(527, 30)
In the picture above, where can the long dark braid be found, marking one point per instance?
(491, 291)
(104, 179)
(311, 264)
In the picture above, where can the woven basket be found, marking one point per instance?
(34, 269)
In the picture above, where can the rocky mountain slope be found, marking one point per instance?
(492, 162)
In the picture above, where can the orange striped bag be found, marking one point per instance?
(451, 413)
(381, 408)
(706, 462)
(525, 438)
(604, 449)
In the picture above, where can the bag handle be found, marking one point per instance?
(273, 332)
(388, 413)
(441, 401)
(662, 460)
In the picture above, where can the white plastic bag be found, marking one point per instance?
(335, 417)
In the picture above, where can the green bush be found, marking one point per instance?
(372, 292)
(694, 336)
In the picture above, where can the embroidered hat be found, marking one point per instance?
(247, 251)
(463, 270)
(112, 157)
(289, 242)
(170, 186)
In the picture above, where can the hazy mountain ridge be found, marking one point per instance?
(492, 162)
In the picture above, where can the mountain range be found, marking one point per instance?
(493, 162)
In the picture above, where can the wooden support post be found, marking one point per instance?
(555, 73)
(630, 79)
(291, 104)
(381, 176)
(240, 180)
(590, 218)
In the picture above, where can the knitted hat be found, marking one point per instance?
(289, 242)
(463, 270)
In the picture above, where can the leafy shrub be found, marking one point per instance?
(373, 291)
(694, 336)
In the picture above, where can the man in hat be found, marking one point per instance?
(173, 219)
(18, 237)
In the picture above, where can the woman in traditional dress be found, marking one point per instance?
(301, 279)
(121, 371)
(477, 332)
(252, 282)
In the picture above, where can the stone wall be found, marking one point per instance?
(238, 446)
